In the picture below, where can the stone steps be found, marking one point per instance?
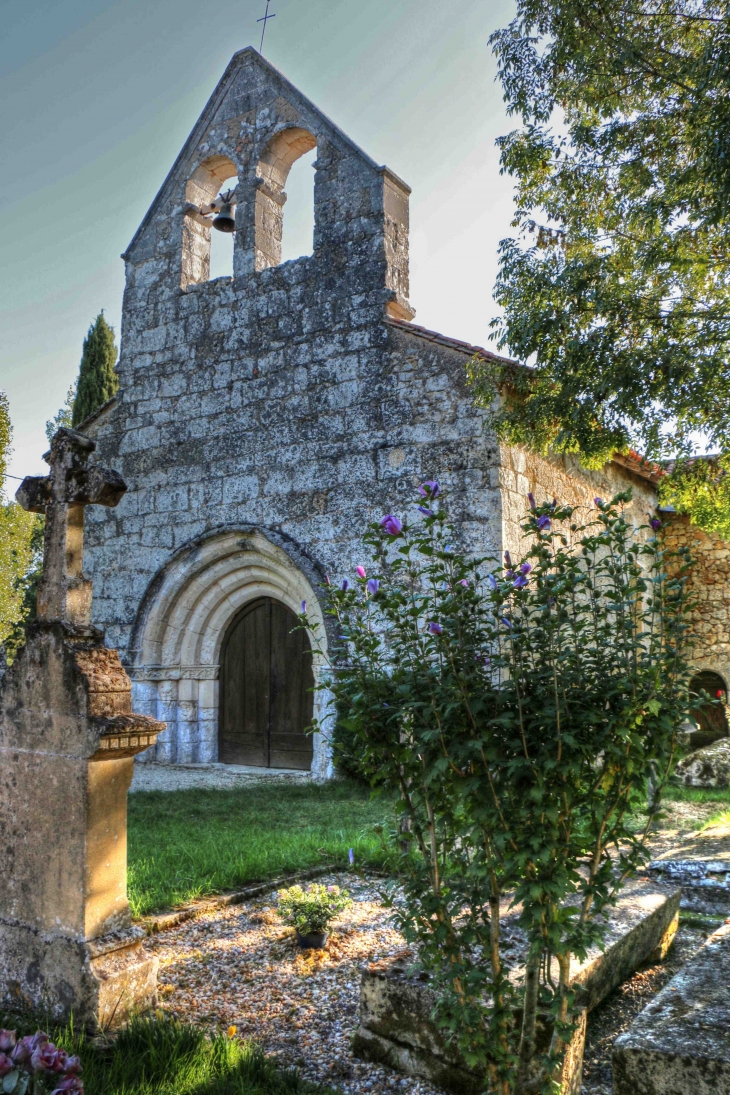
(680, 1043)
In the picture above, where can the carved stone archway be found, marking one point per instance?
(180, 630)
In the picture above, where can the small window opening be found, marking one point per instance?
(298, 235)
(221, 243)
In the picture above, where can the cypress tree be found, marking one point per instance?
(97, 380)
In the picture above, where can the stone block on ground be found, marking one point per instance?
(702, 868)
(396, 1002)
(680, 1043)
(708, 767)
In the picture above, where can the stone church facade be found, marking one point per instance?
(262, 420)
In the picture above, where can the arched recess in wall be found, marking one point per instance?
(180, 630)
(204, 257)
(711, 717)
(272, 172)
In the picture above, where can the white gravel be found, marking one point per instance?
(181, 777)
(241, 967)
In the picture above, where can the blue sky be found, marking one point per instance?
(99, 95)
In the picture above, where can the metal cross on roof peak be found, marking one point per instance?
(264, 19)
(64, 594)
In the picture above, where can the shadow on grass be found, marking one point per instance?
(164, 1057)
(189, 844)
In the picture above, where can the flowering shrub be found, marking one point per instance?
(517, 711)
(34, 1066)
(312, 910)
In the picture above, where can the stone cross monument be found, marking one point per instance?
(68, 737)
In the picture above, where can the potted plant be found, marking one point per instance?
(311, 911)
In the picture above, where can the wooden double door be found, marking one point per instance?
(266, 682)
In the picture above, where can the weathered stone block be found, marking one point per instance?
(396, 1003)
(680, 1043)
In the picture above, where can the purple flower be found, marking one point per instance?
(61, 1064)
(23, 1050)
(327, 579)
(598, 502)
(435, 628)
(373, 586)
(351, 857)
(492, 581)
(345, 584)
(531, 500)
(73, 1065)
(655, 523)
(6, 1065)
(424, 509)
(464, 583)
(44, 1056)
(543, 523)
(429, 489)
(7, 1041)
(525, 568)
(507, 559)
(505, 621)
(304, 606)
(392, 525)
(520, 582)
(361, 572)
(69, 1085)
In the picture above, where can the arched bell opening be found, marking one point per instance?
(272, 172)
(266, 689)
(710, 718)
(206, 253)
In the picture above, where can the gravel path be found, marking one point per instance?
(241, 967)
(182, 777)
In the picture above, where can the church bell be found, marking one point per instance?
(225, 221)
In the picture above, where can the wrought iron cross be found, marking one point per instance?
(264, 19)
(64, 594)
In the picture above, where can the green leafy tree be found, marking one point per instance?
(617, 289)
(516, 715)
(97, 380)
(19, 543)
(64, 415)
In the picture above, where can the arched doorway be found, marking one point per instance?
(711, 718)
(266, 689)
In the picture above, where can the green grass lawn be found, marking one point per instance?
(163, 1057)
(189, 844)
(696, 794)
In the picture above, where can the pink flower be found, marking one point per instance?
(361, 572)
(464, 583)
(6, 1065)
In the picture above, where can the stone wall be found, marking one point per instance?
(562, 477)
(263, 420)
(709, 586)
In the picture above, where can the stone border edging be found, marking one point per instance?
(161, 922)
